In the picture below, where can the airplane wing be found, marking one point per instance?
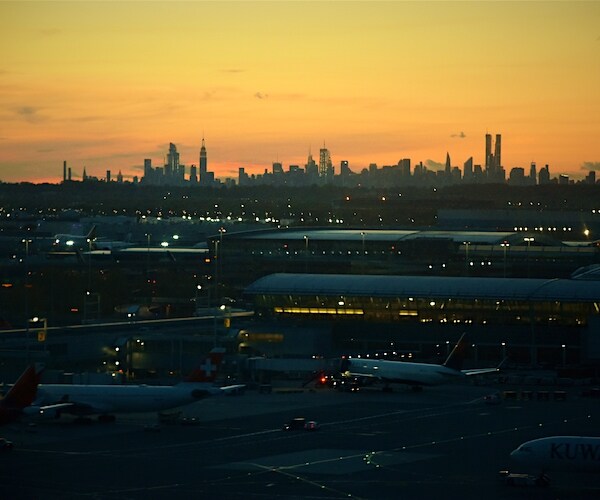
(480, 371)
(200, 391)
(233, 389)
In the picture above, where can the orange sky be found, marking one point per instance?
(106, 84)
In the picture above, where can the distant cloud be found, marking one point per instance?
(461, 135)
(590, 165)
(233, 70)
(29, 113)
(260, 95)
(432, 164)
(50, 32)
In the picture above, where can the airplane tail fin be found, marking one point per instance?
(207, 371)
(21, 394)
(92, 234)
(457, 356)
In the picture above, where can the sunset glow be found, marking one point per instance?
(104, 85)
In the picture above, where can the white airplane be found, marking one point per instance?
(414, 374)
(74, 242)
(569, 453)
(106, 400)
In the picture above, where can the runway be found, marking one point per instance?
(444, 441)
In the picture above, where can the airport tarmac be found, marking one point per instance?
(442, 442)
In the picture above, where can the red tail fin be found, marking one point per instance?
(207, 371)
(20, 395)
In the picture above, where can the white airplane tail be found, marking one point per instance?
(457, 356)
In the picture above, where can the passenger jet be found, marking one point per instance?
(416, 375)
(569, 453)
(106, 400)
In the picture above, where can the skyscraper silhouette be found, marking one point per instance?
(203, 165)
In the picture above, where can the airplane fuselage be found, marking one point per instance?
(577, 453)
(403, 372)
(105, 399)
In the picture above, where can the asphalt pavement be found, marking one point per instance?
(443, 442)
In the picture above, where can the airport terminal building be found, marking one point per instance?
(539, 322)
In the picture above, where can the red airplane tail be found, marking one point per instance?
(21, 394)
(207, 371)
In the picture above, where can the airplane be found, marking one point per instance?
(416, 375)
(569, 453)
(74, 242)
(106, 400)
(21, 395)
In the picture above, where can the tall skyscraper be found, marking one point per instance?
(203, 165)
(172, 165)
(311, 167)
(325, 165)
(468, 168)
(493, 161)
(498, 153)
(64, 170)
(404, 166)
(448, 168)
(533, 173)
(488, 151)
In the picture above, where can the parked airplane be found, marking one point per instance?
(106, 400)
(20, 396)
(574, 453)
(414, 374)
(74, 242)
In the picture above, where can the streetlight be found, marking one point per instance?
(222, 231)
(504, 245)
(26, 293)
(503, 350)
(217, 268)
(305, 253)
(564, 355)
(529, 240)
(467, 243)
(198, 289)
(220, 310)
(362, 235)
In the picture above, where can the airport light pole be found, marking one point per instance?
(26, 296)
(528, 240)
(362, 235)
(217, 269)
(504, 246)
(305, 253)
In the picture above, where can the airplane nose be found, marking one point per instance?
(516, 455)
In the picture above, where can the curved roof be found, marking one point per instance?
(387, 235)
(563, 290)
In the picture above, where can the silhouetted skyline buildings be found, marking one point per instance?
(173, 172)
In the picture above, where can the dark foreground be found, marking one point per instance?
(442, 443)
